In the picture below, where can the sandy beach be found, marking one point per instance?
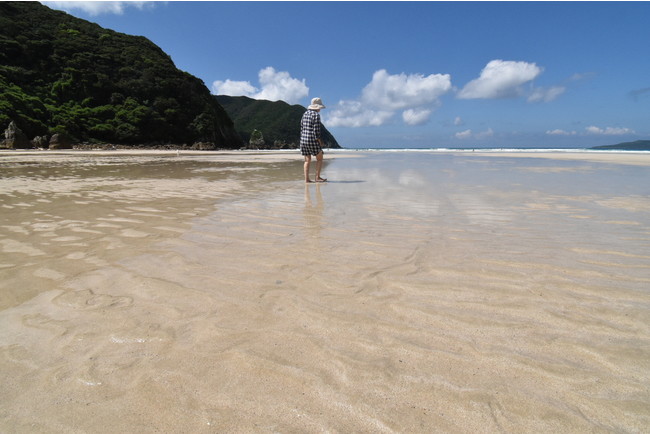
(413, 293)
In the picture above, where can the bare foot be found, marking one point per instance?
(321, 179)
(309, 181)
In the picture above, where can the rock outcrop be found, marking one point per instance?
(40, 142)
(15, 138)
(257, 140)
(60, 141)
(204, 146)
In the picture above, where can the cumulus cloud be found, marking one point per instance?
(464, 134)
(400, 91)
(233, 88)
(500, 79)
(416, 116)
(415, 95)
(279, 85)
(355, 114)
(559, 132)
(458, 121)
(95, 8)
(609, 131)
(274, 86)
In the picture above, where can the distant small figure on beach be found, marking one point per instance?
(310, 140)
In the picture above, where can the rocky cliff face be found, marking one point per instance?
(61, 74)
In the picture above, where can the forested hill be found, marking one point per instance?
(276, 124)
(59, 73)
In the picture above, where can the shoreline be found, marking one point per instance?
(636, 158)
(225, 155)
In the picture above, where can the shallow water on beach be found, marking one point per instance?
(414, 292)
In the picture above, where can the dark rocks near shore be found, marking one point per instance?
(200, 146)
(203, 146)
(41, 142)
(15, 138)
(60, 141)
(256, 140)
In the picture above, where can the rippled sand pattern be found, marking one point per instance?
(413, 293)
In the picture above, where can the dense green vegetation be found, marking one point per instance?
(59, 73)
(277, 122)
(639, 145)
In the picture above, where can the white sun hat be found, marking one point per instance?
(316, 104)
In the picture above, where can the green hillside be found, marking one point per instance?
(59, 73)
(639, 145)
(278, 122)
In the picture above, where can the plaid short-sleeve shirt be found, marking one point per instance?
(310, 133)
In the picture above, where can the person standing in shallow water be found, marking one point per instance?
(310, 142)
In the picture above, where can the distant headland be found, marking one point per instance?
(638, 145)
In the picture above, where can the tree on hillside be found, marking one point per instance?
(61, 73)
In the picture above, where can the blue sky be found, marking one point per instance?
(418, 74)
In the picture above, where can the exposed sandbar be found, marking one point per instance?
(414, 292)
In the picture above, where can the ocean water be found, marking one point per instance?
(489, 150)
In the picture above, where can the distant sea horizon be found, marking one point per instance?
(504, 149)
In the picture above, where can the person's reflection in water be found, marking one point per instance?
(313, 211)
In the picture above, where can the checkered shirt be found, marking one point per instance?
(310, 133)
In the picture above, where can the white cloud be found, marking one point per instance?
(95, 8)
(558, 132)
(581, 76)
(609, 131)
(235, 88)
(416, 116)
(279, 85)
(354, 114)
(541, 94)
(401, 91)
(468, 134)
(500, 79)
(415, 95)
(275, 86)
(458, 121)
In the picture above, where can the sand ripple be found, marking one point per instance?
(433, 294)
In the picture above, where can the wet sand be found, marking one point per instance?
(415, 292)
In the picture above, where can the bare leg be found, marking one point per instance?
(306, 168)
(319, 166)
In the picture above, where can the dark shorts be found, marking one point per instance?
(310, 149)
